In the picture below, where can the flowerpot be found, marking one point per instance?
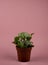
(23, 54)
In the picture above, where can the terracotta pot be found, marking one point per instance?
(23, 54)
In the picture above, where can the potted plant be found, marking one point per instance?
(23, 46)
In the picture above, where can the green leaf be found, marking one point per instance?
(20, 44)
(25, 35)
(16, 39)
(27, 43)
(21, 35)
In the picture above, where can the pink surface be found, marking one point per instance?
(28, 16)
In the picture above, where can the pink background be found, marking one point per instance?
(28, 16)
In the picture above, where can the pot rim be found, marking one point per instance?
(23, 47)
